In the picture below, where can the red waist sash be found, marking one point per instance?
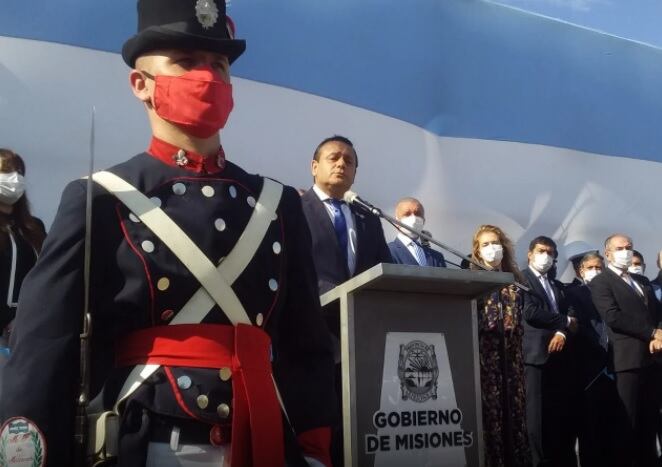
(257, 430)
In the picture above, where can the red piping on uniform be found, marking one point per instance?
(142, 259)
(257, 426)
(178, 395)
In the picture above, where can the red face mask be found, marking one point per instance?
(196, 102)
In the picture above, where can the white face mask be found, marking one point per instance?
(621, 258)
(492, 254)
(12, 187)
(542, 262)
(415, 222)
(590, 274)
(636, 270)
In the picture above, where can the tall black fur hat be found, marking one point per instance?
(183, 24)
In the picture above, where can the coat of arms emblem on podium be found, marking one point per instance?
(418, 371)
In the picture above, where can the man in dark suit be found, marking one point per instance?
(346, 241)
(547, 364)
(406, 248)
(628, 306)
(595, 388)
(575, 252)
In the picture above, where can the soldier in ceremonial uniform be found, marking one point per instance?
(207, 346)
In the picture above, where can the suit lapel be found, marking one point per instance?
(644, 290)
(624, 286)
(405, 253)
(325, 222)
(537, 286)
(361, 237)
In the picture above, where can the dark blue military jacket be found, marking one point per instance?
(137, 283)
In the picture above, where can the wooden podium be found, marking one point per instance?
(410, 364)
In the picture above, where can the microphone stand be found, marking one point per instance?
(421, 234)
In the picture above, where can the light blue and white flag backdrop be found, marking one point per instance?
(486, 113)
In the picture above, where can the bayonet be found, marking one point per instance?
(81, 428)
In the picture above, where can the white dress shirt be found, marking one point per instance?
(351, 230)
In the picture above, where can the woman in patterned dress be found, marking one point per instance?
(501, 359)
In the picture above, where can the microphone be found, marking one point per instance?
(352, 198)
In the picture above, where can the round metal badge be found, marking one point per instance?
(207, 13)
(22, 444)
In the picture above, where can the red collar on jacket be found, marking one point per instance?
(176, 157)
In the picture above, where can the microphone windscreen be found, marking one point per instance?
(349, 197)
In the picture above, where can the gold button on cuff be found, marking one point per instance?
(223, 410)
(202, 401)
(163, 284)
(225, 373)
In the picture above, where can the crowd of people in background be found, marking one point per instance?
(176, 237)
(562, 365)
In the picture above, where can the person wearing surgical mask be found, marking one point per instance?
(407, 247)
(594, 389)
(158, 224)
(638, 265)
(501, 359)
(21, 237)
(548, 363)
(633, 316)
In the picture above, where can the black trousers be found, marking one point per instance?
(551, 415)
(638, 395)
(600, 420)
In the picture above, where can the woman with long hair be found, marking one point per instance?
(21, 236)
(500, 334)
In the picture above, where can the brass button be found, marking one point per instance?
(259, 319)
(202, 401)
(225, 373)
(163, 284)
(223, 410)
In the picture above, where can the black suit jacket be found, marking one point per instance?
(401, 255)
(540, 320)
(591, 355)
(631, 319)
(329, 261)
